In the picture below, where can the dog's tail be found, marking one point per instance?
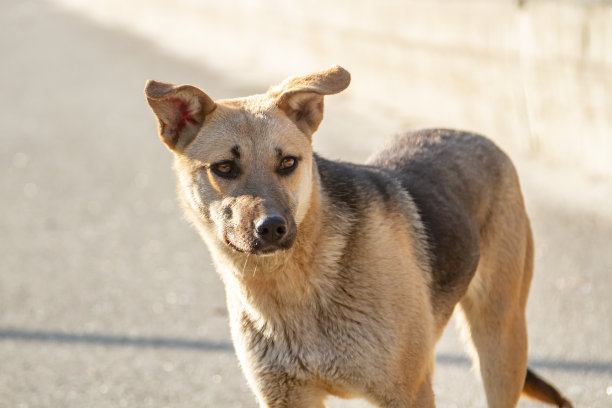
(535, 387)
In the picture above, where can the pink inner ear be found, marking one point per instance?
(178, 114)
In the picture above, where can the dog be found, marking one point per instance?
(340, 278)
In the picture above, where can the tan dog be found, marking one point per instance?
(340, 278)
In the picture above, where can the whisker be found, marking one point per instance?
(256, 263)
(245, 263)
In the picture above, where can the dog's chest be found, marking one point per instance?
(311, 346)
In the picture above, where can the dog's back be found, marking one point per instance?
(453, 178)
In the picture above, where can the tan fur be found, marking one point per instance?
(349, 299)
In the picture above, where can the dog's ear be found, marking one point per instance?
(180, 111)
(301, 98)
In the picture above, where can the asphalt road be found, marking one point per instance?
(109, 299)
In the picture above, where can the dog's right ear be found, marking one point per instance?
(180, 111)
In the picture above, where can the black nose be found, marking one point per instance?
(271, 229)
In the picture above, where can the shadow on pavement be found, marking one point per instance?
(113, 340)
(207, 345)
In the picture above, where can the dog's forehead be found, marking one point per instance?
(251, 124)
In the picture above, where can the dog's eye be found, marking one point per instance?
(226, 169)
(287, 165)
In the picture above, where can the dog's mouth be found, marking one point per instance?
(257, 247)
(232, 246)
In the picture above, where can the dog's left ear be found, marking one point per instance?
(180, 111)
(301, 98)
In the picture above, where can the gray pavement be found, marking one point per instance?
(109, 299)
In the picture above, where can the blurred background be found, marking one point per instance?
(107, 296)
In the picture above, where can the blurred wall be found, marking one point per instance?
(534, 75)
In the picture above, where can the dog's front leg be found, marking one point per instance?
(403, 394)
(278, 390)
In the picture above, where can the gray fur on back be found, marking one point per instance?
(451, 176)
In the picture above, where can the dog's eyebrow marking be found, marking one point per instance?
(236, 151)
(280, 154)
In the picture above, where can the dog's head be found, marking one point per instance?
(244, 165)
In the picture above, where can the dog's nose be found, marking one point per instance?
(271, 229)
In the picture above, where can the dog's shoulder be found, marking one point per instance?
(365, 197)
(355, 187)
